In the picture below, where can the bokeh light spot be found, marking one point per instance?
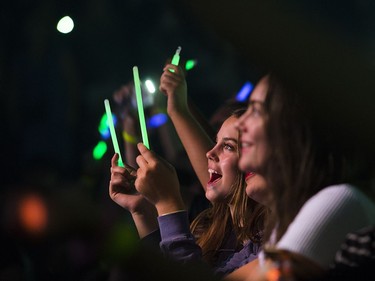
(33, 214)
(65, 25)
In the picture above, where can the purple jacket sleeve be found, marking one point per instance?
(152, 239)
(247, 254)
(177, 241)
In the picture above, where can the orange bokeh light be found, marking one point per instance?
(33, 214)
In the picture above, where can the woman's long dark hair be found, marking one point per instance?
(306, 154)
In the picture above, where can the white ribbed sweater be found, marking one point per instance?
(324, 220)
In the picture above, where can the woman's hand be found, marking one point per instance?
(173, 85)
(157, 181)
(122, 190)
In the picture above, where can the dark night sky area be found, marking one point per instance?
(53, 85)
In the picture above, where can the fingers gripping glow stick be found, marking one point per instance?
(176, 57)
(113, 132)
(141, 113)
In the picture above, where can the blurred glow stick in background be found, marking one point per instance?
(99, 150)
(141, 113)
(244, 93)
(157, 120)
(190, 64)
(113, 132)
(176, 58)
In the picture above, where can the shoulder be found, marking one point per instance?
(336, 195)
(339, 191)
(325, 219)
(340, 196)
(336, 204)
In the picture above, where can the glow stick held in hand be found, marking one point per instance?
(113, 132)
(176, 58)
(141, 113)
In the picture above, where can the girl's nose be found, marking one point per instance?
(212, 155)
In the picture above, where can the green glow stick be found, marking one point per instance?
(176, 58)
(113, 132)
(141, 113)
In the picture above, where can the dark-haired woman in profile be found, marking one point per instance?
(317, 183)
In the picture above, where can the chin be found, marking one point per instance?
(208, 193)
(258, 194)
(253, 193)
(212, 197)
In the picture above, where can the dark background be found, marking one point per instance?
(52, 89)
(53, 85)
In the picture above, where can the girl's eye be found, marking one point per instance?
(255, 109)
(228, 147)
(256, 112)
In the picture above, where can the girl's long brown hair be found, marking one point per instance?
(214, 225)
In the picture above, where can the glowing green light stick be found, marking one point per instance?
(176, 58)
(113, 132)
(141, 113)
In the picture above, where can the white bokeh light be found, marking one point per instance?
(65, 25)
(150, 86)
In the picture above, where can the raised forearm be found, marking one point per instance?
(195, 141)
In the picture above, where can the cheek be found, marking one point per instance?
(230, 163)
(262, 150)
(257, 131)
(230, 169)
(260, 140)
